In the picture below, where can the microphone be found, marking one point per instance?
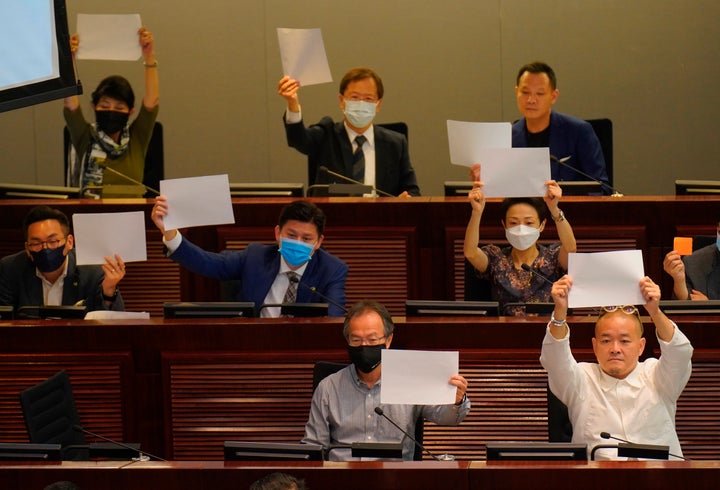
(323, 168)
(661, 449)
(142, 455)
(563, 161)
(126, 177)
(296, 280)
(444, 457)
(526, 267)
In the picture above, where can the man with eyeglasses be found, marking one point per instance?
(343, 405)
(46, 272)
(631, 400)
(289, 272)
(355, 148)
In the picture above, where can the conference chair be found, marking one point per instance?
(50, 415)
(604, 131)
(154, 159)
(323, 369)
(476, 288)
(559, 426)
(313, 165)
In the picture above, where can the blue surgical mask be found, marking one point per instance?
(295, 252)
(360, 113)
(49, 259)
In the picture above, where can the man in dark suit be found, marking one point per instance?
(566, 136)
(46, 273)
(381, 159)
(270, 274)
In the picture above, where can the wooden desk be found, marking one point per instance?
(458, 475)
(182, 387)
(397, 249)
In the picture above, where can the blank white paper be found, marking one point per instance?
(414, 377)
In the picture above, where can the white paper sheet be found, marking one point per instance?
(514, 172)
(303, 55)
(105, 234)
(418, 377)
(606, 278)
(117, 315)
(197, 201)
(467, 139)
(109, 37)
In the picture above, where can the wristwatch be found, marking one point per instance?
(112, 298)
(557, 323)
(560, 217)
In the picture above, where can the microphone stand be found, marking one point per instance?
(313, 289)
(142, 455)
(563, 161)
(126, 177)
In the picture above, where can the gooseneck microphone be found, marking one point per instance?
(142, 455)
(127, 177)
(313, 289)
(661, 449)
(323, 168)
(381, 413)
(563, 161)
(526, 267)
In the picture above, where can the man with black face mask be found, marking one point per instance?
(45, 273)
(343, 405)
(112, 142)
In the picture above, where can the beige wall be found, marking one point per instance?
(650, 66)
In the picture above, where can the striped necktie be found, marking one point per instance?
(359, 160)
(291, 291)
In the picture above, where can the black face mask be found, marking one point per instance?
(111, 122)
(49, 259)
(366, 357)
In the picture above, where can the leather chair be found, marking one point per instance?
(559, 426)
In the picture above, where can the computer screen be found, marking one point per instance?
(451, 308)
(32, 191)
(51, 312)
(523, 451)
(689, 307)
(697, 187)
(267, 190)
(36, 64)
(29, 452)
(272, 451)
(209, 309)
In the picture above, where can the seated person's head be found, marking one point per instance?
(368, 329)
(618, 341)
(523, 219)
(278, 481)
(299, 232)
(47, 237)
(361, 93)
(113, 101)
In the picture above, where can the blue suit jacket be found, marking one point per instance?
(573, 137)
(257, 266)
(327, 144)
(19, 286)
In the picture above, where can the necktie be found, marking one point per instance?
(359, 159)
(291, 291)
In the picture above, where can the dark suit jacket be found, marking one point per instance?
(702, 271)
(573, 137)
(258, 265)
(327, 144)
(19, 286)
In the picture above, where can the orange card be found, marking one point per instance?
(682, 245)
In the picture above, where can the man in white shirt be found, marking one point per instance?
(631, 400)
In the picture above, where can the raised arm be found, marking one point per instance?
(73, 102)
(288, 89)
(560, 290)
(159, 211)
(663, 326)
(152, 81)
(565, 233)
(473, 253)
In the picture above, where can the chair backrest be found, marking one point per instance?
(476, 287)
(700, 241)
(559, 426)
(50, 415)
(398, 127)
(604, 132)
(154, 158)
(323, 369)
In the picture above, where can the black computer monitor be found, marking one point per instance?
(544, 451)
(580, 187)
(540, 309)
(10, 451)
(31, 191)
(267, 189)
(6, 313)
(451, 308)
(272, 451)
(457, 188)
(688, 307)
(697, 187)
(209, 309)
(48, 312)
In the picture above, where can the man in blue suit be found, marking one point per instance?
(270, 274)
(566, 136)
(381, 159)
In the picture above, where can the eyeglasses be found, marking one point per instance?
(627, 309)
(365, 98)
(357, 342)
(52, 244)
